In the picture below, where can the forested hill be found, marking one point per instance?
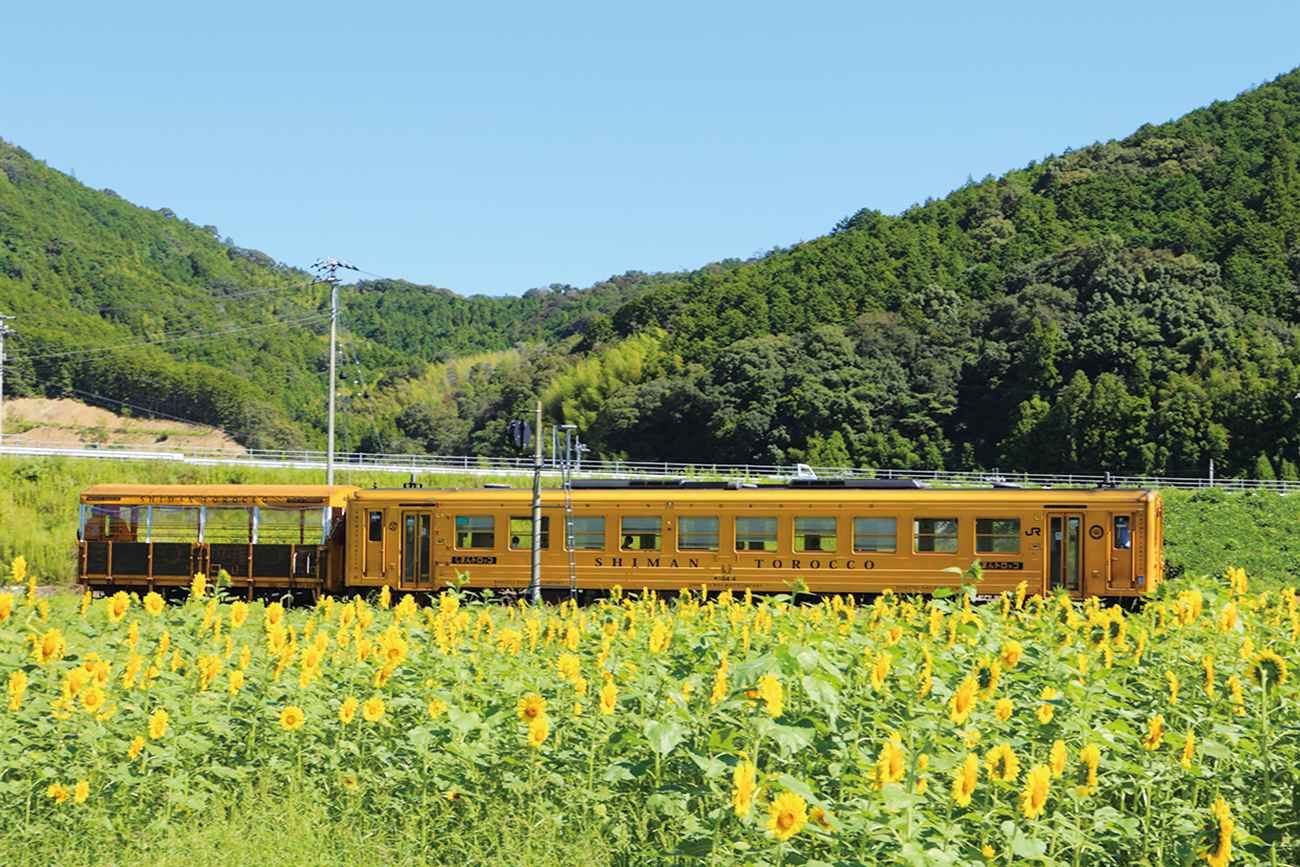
(1128, 306)
(144, 311)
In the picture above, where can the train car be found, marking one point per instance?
(267, 538)
(837, 536)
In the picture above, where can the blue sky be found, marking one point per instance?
(492, 147)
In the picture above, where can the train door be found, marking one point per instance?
(375, 564)
(1122, 527)
(1065, 552)
(416, 542)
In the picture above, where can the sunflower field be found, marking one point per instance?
(718, 730)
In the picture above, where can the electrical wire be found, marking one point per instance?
(171, 303)
(199, 340)
(148, 411)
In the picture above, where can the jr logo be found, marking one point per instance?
(1033, 531)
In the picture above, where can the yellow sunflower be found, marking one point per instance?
(880, 671)
(988, 671)
(890, 767)
(348, 709)
(1268, 670)
(93, 698)
(1002, 763)
(1003, 709)
(292, 718)
(531, 707)
(81, 791)
(17, 687)
(963, 784)
(1034, 797)
(1046, 710)
(769, 689)
(1011, 653)
(1090, 756)
(743, 778)
(1217, 835)
(963, 700)
(153, 603)
(538, 729)
(787, 813)
(1057, 757)
(1155, 733)
(116, 606)
(158, 724)
(373, 709)
(57, 792)
(608, 696)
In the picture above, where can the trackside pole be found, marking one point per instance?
(535, 584)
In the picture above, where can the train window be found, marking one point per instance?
(1123, 538)
(814, 534)
(228, 524)
(935, 534)
(175, 524)
(641, 534)
(756, 534)
(589, 532)
(285, 526)
(475, 531)
(375, 526)
(521, 532)
(697, 534)
(997, 535)
(875, 534)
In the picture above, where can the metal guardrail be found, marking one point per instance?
(18, 444)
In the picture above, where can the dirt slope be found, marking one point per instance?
(41, 420)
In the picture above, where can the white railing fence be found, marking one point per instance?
(19, 445)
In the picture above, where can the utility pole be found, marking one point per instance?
(5, 330)
(332, 265)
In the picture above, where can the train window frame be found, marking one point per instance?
(938, 542)
(997, 535)
(521, 532)
(819, 528)
(698, 532)
(641, 532)
(871, 541)
(764, 537)
(1122, 528)
(583, 536)
(474, 534)
(374, 526)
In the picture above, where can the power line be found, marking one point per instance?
(171, 303)
(214, 337)
(152, 412)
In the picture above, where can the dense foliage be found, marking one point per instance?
(1130, 306)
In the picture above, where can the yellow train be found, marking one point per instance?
(838, 536)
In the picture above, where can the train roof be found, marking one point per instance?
(811, 491)
(253, 494)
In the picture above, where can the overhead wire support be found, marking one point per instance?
(327, 269)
